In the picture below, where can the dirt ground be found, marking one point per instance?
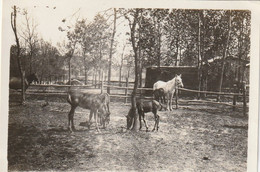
(196, 137)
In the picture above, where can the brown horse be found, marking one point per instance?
(142, 108)
(16, 83)
(159, 95)
(96, 103)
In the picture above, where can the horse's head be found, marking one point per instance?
(105, 115)
(178, 81)
(32, 77)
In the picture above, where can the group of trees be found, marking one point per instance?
(189, 37)
(171, 37)
(35, 54)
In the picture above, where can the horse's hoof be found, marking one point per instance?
(147, 130)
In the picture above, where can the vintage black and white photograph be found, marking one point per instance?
(103, 87)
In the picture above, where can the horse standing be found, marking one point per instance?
(96, 103)
(16, 82)
(159, 95)
(169, 88)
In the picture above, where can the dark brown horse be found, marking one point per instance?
(16, 82)
(142, 108)
(159, 95)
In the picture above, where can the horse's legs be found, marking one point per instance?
(90, 117)
(155, 119)
(158, 119)
(95, 114)
(168, 99)
(171, 96)
(146, 126)
(70, 117)
(140, 117)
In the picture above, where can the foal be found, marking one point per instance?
(149, 106)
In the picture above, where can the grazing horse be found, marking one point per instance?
(159, 95)
(16, 82)
(104, 120)
(94, 102)
(169, 88)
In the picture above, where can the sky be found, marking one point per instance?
(49, 16)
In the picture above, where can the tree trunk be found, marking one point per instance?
(69, 70)
(30, 64)
(135, 49)
(140, 75)
(224, 54)
(121, 66)
(177, 50)
(99, 78)
(86, 75)
(120, 75)
(199, 56)
(18, 55)
(95, 78)
(85, 68)
(111, 52)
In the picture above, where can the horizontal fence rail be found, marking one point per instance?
(55, 89)
(211, 92)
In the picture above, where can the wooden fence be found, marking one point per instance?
(125, 92)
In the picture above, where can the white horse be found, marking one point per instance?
(169, 88)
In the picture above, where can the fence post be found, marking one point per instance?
(244, 98)
(126, 90)
(234, 102)
(176, 97)
(102, 86)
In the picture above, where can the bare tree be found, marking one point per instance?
(18, 53)
(111, 52)
(30, 36)
(121, 66)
